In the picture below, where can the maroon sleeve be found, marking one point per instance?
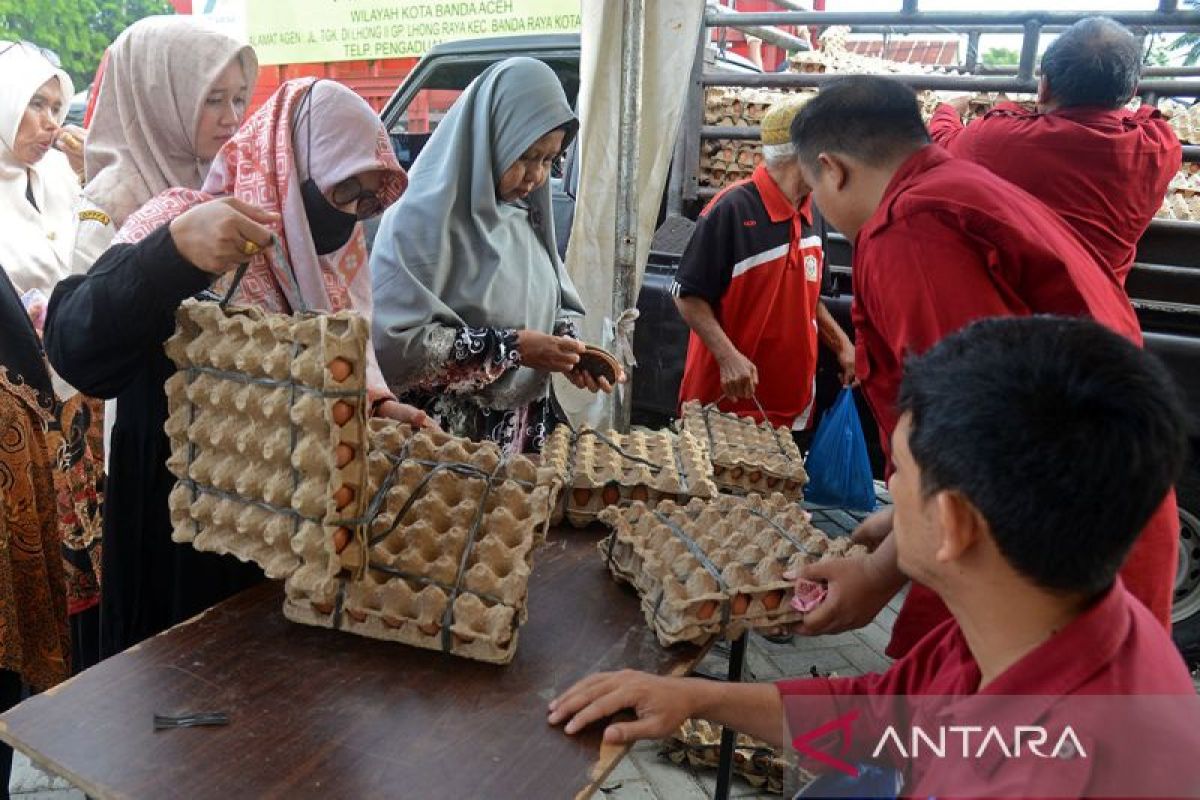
(946, 128)
(932, 278)
(875, 700)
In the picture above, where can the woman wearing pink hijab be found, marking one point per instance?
(304, 170)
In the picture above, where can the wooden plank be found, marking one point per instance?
(316, 712)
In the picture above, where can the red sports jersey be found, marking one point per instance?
(757, 261)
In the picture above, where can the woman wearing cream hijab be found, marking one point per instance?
(172, 93)
(38, 188)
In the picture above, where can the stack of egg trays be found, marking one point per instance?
(715, 568)
(444, 557)
(267, 424)
(602, 469)
(747, 457)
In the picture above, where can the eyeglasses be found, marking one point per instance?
(44, 52)
(351, 190)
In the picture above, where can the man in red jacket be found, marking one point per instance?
(1103, 168)
(940, 242)
(1029, 454)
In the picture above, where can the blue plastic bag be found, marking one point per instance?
(839, 471)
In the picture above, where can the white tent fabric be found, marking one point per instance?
(671, 29)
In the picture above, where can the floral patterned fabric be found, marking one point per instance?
(35, 639)
(477, 357)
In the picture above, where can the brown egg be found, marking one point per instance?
(772, 481)
(707, 609)
(792, 486)
(772, 599)
(392, 621)
(754, 477)
(342, 412)
(741, 603)
(640, 493)
(322, 608)
(344, 454)
(340, 369)
(459, 641)
(341, 538)
(718, 469)
(736, 473)
(343, 497)
(356, 614)
(581, 497)
(611, 494)
(430, 629)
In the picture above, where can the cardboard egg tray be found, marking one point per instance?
(419, 538)
(600, 469)
(747, 457)
(697, 743)
(265, 443)
(716, 567)
(1184, 119)
(444, 561)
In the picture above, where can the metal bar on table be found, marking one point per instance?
(1175, 20)
(737, 659)
(624, 291)
(1029, 49)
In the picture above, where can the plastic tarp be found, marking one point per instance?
(671, 31)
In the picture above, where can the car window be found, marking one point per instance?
(447, 79)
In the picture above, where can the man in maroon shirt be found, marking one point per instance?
(1103, 168)
(1029, 454)
(939, 242)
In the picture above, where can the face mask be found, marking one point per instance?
(330, 226)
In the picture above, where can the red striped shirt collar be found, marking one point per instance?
(779, 209)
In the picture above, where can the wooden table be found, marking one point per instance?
(315, 712)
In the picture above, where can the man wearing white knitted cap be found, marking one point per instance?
(749, 288)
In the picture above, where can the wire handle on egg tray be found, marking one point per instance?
(376, 506)
(713, 407)
(289, 274)
(573, 449)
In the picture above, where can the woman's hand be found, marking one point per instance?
(401, 412)
(591, 383)
(218, 235)
(70, 141)
(547, 353)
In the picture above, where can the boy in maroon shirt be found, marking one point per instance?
(1103, 168)
(1029, 454)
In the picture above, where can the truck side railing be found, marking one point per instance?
(684, 186)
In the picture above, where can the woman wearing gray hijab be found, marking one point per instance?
(472, 304)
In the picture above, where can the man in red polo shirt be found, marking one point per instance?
(940, 242)
(1103, 168)
(749, 288)
(1090, 433)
